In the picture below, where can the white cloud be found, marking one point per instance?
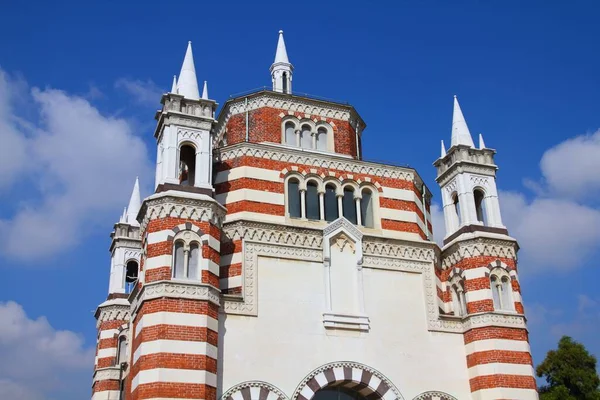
(82, 163)
(38, 361)
(147, 93)
(553, 233)
(571, 168)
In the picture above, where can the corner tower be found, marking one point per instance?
(480, 284)
(113, 315)
(174, 307)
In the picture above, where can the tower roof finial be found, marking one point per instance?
(481, 142)
(174, 85)
(187, 85)
(443, 150)
(460, 130)
(205, 91)
(135, 203)
(281, 54)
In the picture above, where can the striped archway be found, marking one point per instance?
(434, 395)
(254, 390)
(357, 377)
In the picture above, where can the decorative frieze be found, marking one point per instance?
(318, 161)
(184, 208)
(176, 289)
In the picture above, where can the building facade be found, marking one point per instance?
(272, 262)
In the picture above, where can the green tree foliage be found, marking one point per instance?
(570, 373)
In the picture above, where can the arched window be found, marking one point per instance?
(290, 134)
(312, 201)
(306, 138)
(496, 288)
(122, 352)
(349, 205)
(480, 206)
(131, 275)
(459, 303)
(507, 303)
(194, 261)
(366, 208)
(285, 82)
(178, 263)
(322, 139)
(456, 209)
(187, 165)
(293, 197)
(331, 204)
(338, 393)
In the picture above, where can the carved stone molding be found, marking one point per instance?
(494, 319)
(274, 234)
(191, 134)
(187, 208)
(247, 305)
(107, 374)
(176, 289)
(112, 312)
(318, 161)
(133, 253)
(245, 391)
(173, 119)
(345, 224)
(489, 170)
(399, 249)
(479, 247)
(350, 370)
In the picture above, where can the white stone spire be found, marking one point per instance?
(281, 54)
(187, 85)
(174, 86)
(135, 203)
(205, 91)
(443, 150)
(281, 69)
(481, 142)
(460, 130)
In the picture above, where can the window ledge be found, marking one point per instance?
(346, 321)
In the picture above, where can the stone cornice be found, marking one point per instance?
(175, 289)
(193, 207)
(297, 156)
(112, 310)
(107, 374)
(479, 246)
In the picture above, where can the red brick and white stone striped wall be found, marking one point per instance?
(112, 316)
(252, 189)
(498, 356)
(175, 321)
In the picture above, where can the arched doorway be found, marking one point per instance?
(346, 380)
(338, 393)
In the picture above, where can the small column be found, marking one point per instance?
(297, 137)
(303, 203)
(340, 205)
(322, 205)
(313, 135)
(358, 216)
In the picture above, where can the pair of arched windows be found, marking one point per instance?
(186, 260)
(500, 284)
(480, 207)
(306, 137)
(328, 205)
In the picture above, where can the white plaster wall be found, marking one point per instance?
(287, 340)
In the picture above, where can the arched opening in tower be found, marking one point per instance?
(187, 165)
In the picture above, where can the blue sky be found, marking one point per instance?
(79, 84)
